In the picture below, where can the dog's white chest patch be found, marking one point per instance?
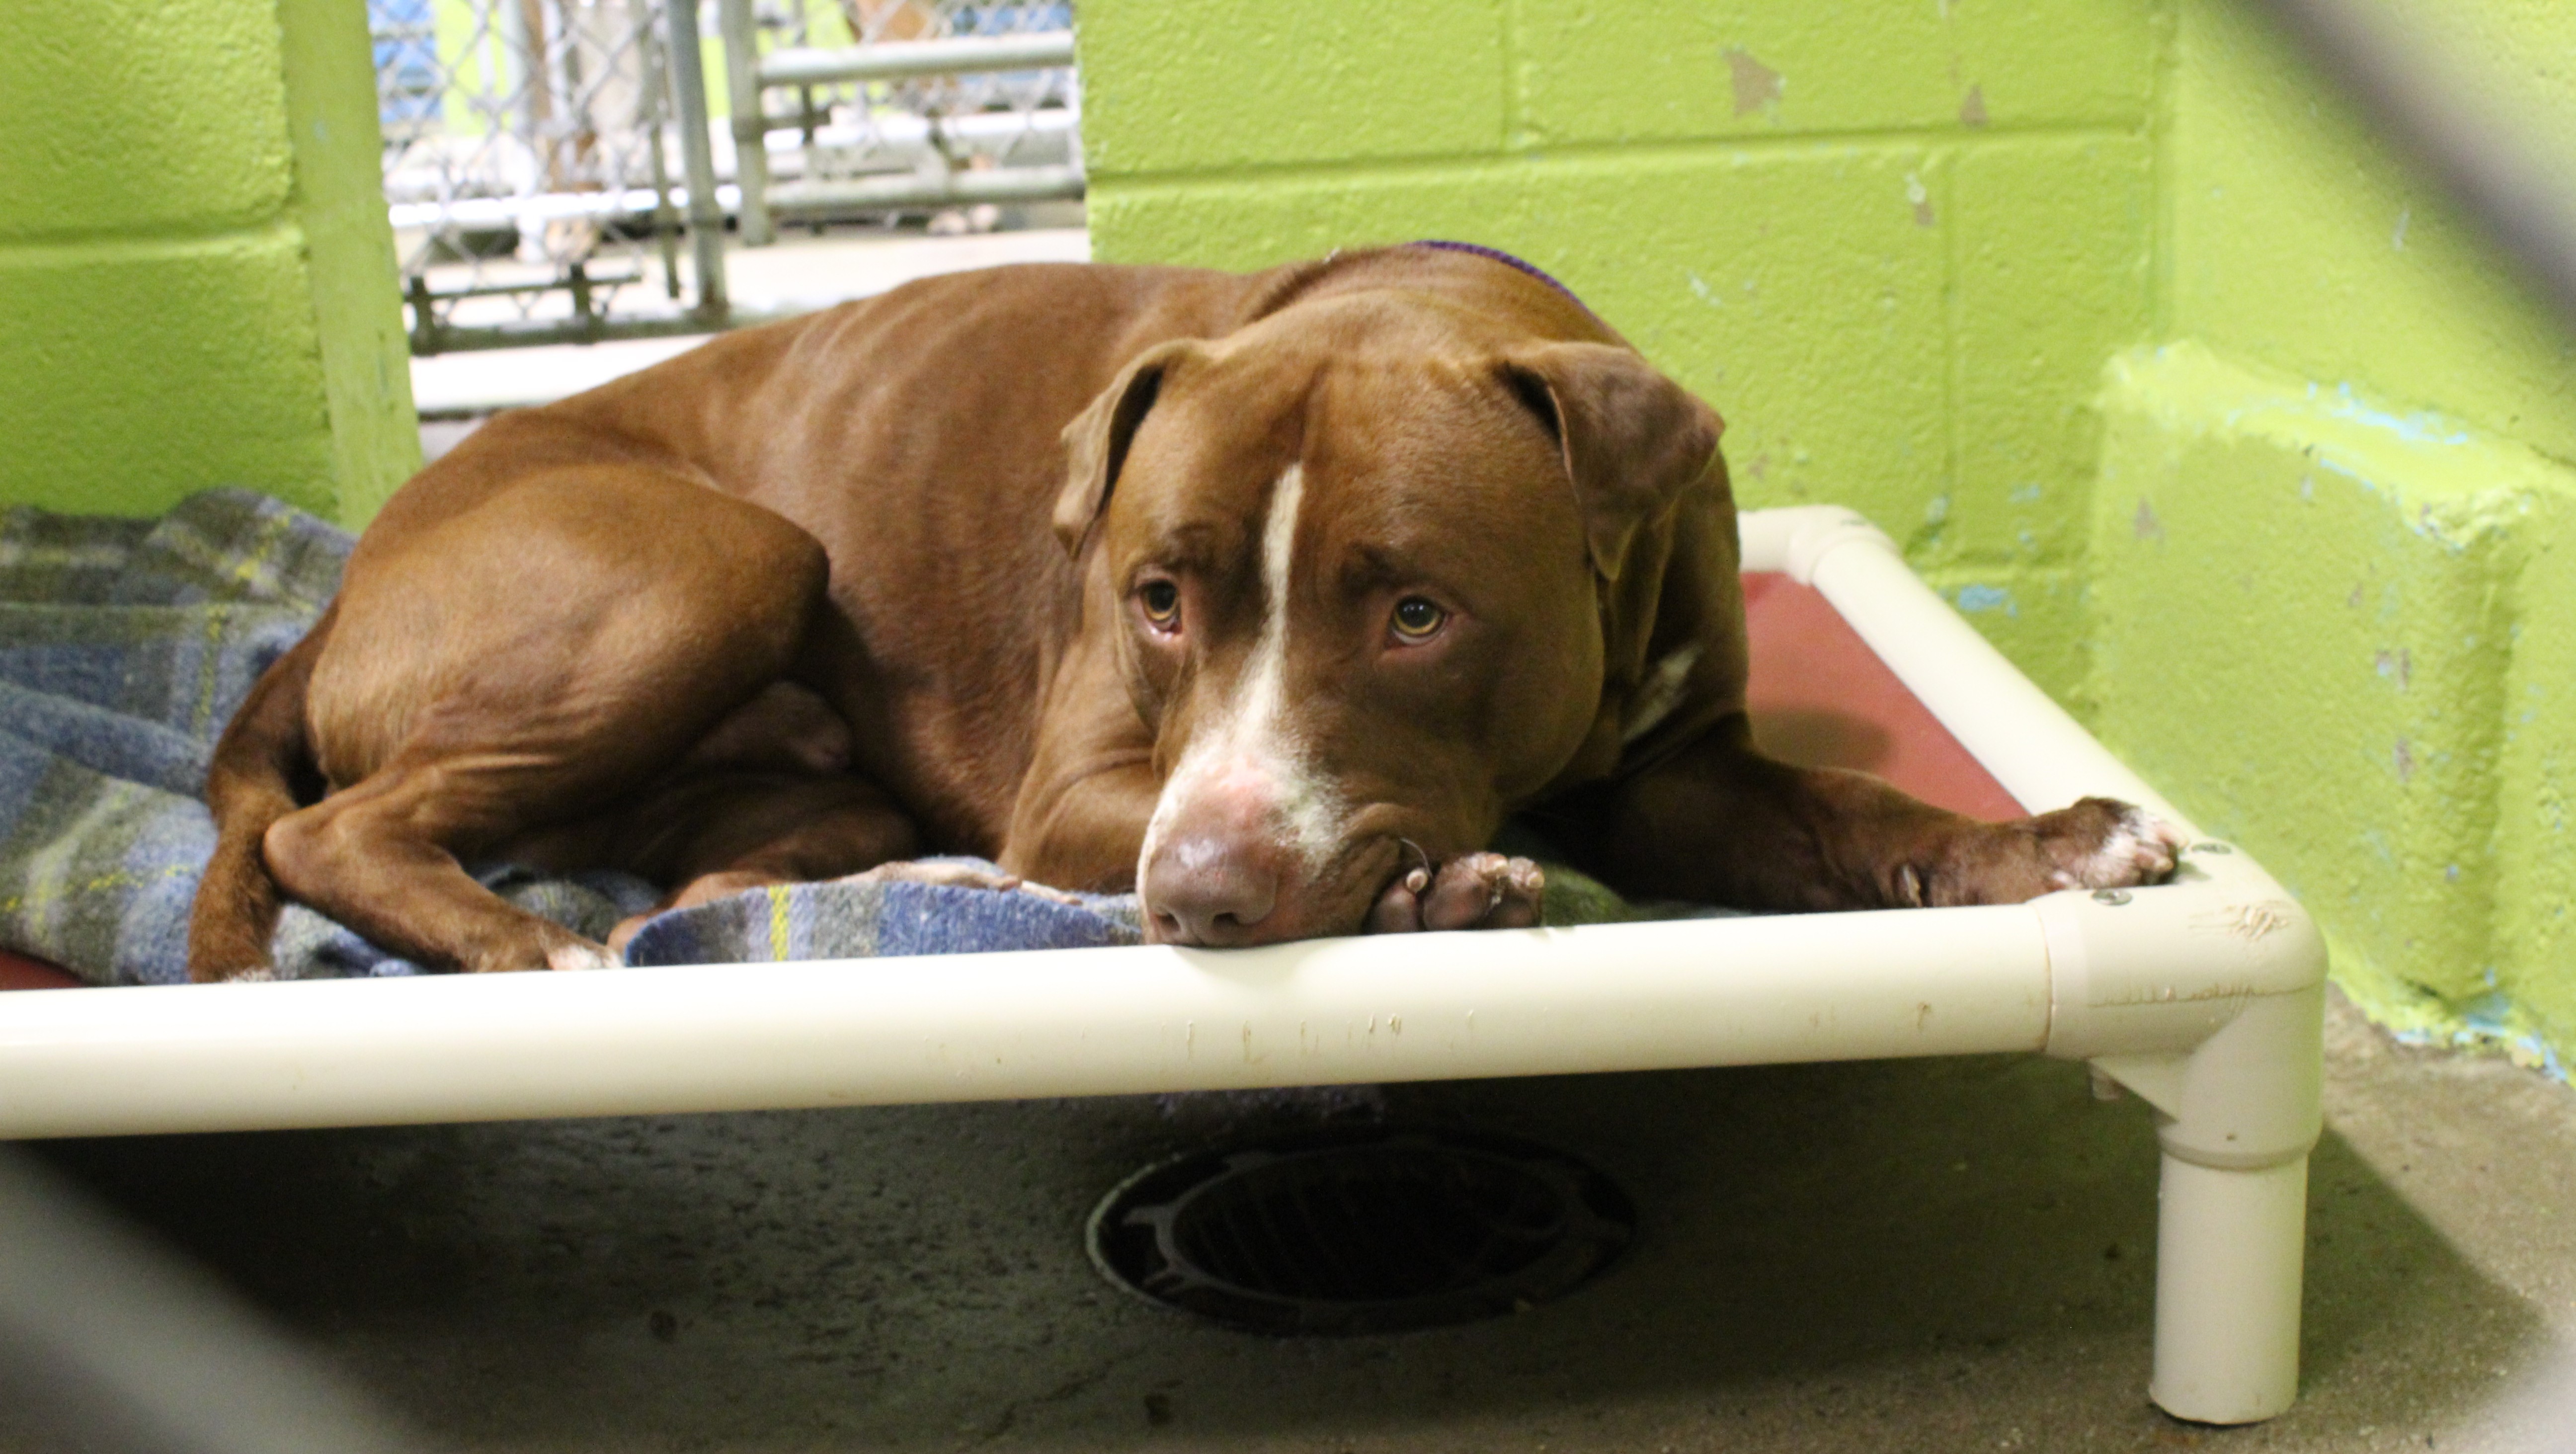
(1659, 694)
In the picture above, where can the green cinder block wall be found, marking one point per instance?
(2210, 414)
(195, 269)
(2332, 604)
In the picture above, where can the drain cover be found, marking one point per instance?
(1360, 1231)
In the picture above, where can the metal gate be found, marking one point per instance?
(848, 107)
(539, 155)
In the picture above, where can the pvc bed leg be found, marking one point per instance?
(2235, 1118)
(2230, 1249)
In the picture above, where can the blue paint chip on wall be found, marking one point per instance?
(1974, 599)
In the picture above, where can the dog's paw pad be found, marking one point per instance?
(1398, 909)
(1484, 891)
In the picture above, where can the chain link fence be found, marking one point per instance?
(536, 151)
(530, 164)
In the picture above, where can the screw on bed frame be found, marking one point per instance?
(2110, 896)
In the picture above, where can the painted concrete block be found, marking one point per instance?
(1800, 292)
(2306, 631)
(2302, 241)
(2036, 616)
(2535, 844)
(138, 372)
(339, 207)
(1221, 84)
(2052, 270)
(140, 115)
(1665, 70)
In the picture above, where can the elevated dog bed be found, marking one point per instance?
(2202, 996)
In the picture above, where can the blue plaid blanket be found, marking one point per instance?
(125, 646)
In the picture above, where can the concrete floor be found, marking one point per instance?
(1926, 1256)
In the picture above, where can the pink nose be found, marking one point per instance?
(1204, 893)
(1214, 878)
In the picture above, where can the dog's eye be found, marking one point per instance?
(1162, 602)
(1416, 618)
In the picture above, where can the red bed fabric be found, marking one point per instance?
(18, 972)
(1819, 697)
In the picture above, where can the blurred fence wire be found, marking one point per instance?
(2444, 118)
(111, 1345)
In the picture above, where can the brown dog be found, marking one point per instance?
(1270, 595)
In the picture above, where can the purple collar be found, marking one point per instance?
(1507, 260)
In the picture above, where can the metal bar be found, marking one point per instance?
(479, 213)
(658, 88)
(534, 331)
(582, 306)
(750, 132)
(894, 60)
(697, 156)
(2434, 114)
(1001, 184)
(424, 316)
(1047, 121)
(548, 285)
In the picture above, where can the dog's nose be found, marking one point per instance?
(1201, 888)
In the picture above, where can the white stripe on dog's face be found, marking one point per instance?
(1247, 748)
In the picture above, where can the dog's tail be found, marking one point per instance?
(250, 785)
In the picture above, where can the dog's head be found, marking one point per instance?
(1359, 561)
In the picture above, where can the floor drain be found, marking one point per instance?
(1360, 1231)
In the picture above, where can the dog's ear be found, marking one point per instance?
(1095, 443)
(1633, 440)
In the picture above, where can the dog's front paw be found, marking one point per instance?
(1472, 891)
(580, 956)
(543, 947)
(2100, 843)
(2096, 843)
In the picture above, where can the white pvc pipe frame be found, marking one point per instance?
(2203, 996)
